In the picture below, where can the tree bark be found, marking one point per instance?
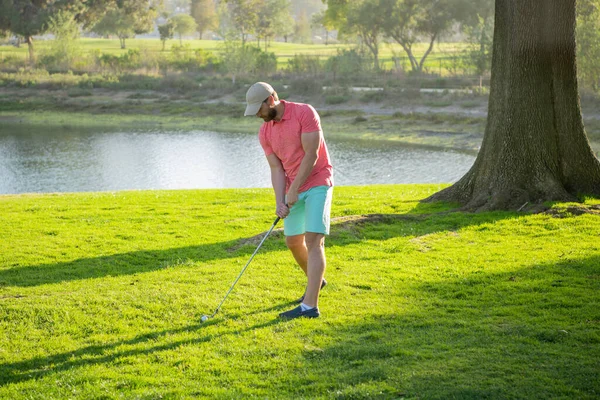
(431, 43)
(29, 41)
(534, 148)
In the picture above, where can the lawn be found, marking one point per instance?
(101, 295)
(440, 57)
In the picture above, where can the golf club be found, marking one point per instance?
(206, 317)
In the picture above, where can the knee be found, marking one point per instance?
(294, 242)
(315, 240)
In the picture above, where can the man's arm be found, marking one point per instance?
(310, 144)
(278, 182)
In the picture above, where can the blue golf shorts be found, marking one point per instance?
(311, 213)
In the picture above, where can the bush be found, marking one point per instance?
(336, 99)
(180, 83)
(128, 61)
(337, 95)
(244, 60)
(183, 58)
(64, 50)
(306, 86)
(302, 64)
(266, 63)
(348, 64)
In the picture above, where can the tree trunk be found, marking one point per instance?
(29, 41)
(431, 42)
(535, 148)
(408, 49)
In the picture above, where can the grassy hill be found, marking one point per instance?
(101, 295)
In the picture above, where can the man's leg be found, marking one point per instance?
(297, 246)
(315, 243)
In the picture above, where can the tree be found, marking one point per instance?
(126, 18)
(26, 18)
(478, 26)
(302, 30)
(320, 20)
(243, 16)
(365, 18)
(64, 49)
(274, 19)
(166, 32)
(588, 43)
(534, 148)
(205, 15)
(408, 21)
(183, 24)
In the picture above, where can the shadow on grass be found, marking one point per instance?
(503, 338)
(423, 219)
(39, 367)
(526, 333)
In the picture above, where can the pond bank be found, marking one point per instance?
(438, 123)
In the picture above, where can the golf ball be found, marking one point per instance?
(204, 318)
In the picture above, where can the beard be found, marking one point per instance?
(271, 115)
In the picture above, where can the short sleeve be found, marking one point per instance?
(262, 137)
(309, 120)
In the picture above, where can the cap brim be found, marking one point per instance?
(252, 109)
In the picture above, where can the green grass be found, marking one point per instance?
(439, 57)
(101, 294)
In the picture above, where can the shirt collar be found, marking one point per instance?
(287, 113)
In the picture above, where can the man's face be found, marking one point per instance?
(267, 110)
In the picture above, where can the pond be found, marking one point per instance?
(38, 159)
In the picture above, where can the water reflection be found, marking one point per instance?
(37, 159)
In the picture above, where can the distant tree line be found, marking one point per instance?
(370, 24)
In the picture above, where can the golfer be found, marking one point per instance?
(302, 179)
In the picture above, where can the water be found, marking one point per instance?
(36, 159)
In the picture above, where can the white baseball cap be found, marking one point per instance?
(255, 96)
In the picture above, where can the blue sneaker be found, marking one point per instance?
(297, 312)
(301, 299)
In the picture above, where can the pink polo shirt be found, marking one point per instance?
(283, 139)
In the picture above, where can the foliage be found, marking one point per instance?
(126, 19)
(588, 43)
(480, 31)
(183, 24)
(303, 64)
(64, 50)
(368, 25)
(204, 13)
(243, 17)
(274, 19)
(243, 60)
(407, 21)
(337, 95)
(319, 20)
(306, 86)
(26, 18)
(166, 32)
(348, 64)
(302, 31)
(128, 61)
(184, 58)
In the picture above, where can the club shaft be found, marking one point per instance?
(246, 266)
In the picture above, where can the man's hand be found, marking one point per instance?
(292, 197)
(282, 210)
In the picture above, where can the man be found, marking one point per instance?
(302, 178)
